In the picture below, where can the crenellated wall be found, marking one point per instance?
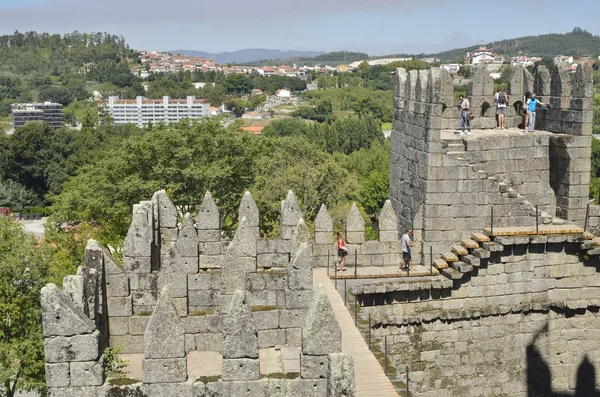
(183, 289)
(444, 186)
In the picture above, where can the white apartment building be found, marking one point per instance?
(141, 111)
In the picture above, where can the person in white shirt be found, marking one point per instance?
(501, 105)
(406, 245)
(465, 110)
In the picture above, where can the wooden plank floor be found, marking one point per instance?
(530, 230)
(369, 272)
(369, 376)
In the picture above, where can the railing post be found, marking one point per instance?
(385, 354)
(355, 261)
(587, 217)
(345, 293)
(431, 260)
(335, 276)
(355, 311)
(407, 380)
(537, 221)
(369, 331)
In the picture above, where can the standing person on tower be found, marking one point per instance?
(501, 105)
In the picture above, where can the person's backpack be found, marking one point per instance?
(501, 98)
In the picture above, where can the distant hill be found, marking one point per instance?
(249, 55)
(577, 43)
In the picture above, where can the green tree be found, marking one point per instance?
(185, 159)
(24, 270)
(297, 164)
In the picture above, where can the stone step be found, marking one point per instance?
(440, 264)
(456, 147)
(457, 154)
(588, 236)
(462, 267)
(451, 273)
(469, 244)
(493, 246)
(480, 237)
(472, 260)
(459, 250)
(482, 253)
(449, 257)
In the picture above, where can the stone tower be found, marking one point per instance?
(444, 187)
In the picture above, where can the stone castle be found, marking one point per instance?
(512, 311)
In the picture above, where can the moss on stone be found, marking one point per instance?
(122, 381)
(280, 375)
(263, 308)
(208, 379)
(201, 312)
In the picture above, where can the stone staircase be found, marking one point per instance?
(457, 149)
(464, 257)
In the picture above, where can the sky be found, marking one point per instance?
(373, 26)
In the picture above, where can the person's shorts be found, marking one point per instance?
(342, 253)
(406, 256)
(501, 110)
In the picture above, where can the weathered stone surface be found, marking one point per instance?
(164, 370)
(323, 222)
(172, 274)
(117, 285)
(89, 373)
(240, 369)
(300, 269)
(341, 376)
(321, 334)
(120, 306)
(298, 299)
(140, 264)
(61, 349)
(57, 375)
(233, 272)
(245, 239)
(300, 235)
(290, 210)
(388, 221)
(166, 389)
(187, 239)
(355, 221)
(212, 389)
(73, 288)
(208, 214)
(240, 338)
(249, 388)
(60, 316)
(314, 367)
(164, 334)
(139, 236)
(167, 213)
(249, 210)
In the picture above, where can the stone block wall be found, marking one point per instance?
(236, 310)
(525, 318)
(594, 220)
(446, 195)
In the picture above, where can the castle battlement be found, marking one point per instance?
(445, 186)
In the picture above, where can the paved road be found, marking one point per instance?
(35, 227)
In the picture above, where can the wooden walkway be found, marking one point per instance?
(369, 376)
(369, 272)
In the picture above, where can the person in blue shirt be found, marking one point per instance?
(532, 104)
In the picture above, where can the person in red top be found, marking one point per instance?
(342, 252)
